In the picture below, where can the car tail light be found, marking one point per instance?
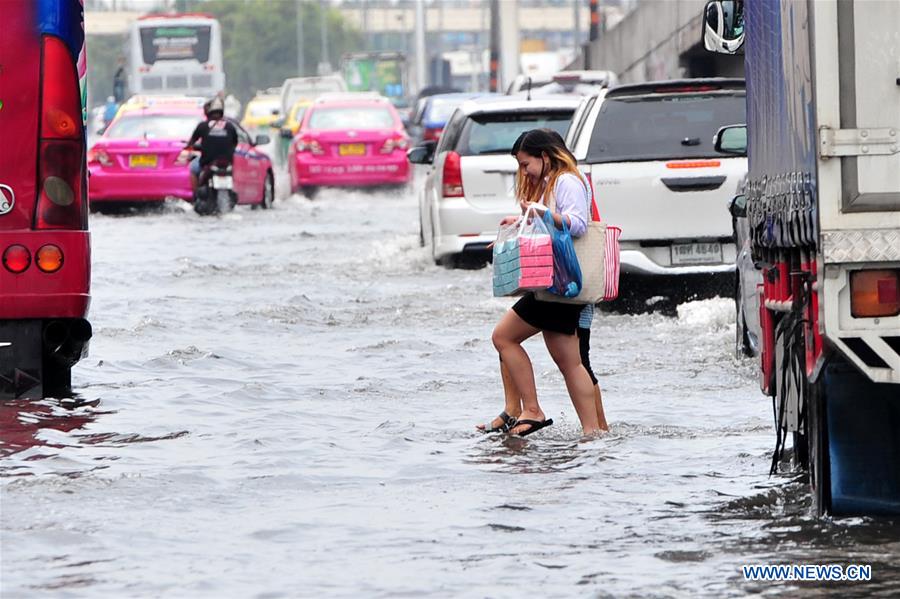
(452, 177)
(16, 259)
(394, 143)
(49, 258)
(184, 157)
(432, 134)
(99, 156)
(874, 293)
(61, 169)
(309, 145)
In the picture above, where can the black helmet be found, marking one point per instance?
(214, 105)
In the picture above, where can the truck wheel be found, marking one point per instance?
(817, 448)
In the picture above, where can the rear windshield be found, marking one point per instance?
(662, 128)
(440, 109)
(355, 117)
(263, 108)
(153, 127)
(497, 132)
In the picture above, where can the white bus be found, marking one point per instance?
(176, 54)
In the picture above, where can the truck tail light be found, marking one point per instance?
(452, 177)
(874, 293)
(61, 202)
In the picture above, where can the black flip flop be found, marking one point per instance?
(535, 425)
(508, 423)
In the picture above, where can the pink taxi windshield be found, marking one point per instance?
(153, 127)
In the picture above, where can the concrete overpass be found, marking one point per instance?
(660, 39)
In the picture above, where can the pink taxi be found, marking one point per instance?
(139, 158)
(349, 142)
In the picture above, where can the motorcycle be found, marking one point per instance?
(215, 191)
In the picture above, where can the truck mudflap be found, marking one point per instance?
(20, 358)
(863, 423)
(36, 356)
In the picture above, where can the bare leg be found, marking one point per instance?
(508, 336)
(598, 402)
(513, 399)
(565, 352)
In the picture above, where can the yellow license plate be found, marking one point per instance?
(142, 161)
(352, 149)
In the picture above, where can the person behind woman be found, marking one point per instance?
(513, 399)
(547, 175)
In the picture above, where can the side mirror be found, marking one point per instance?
(723, 26)
(423, 154)
(738, 206)
(731, 140)
(261, 140)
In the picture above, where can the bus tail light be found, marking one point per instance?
(60, 202)
(60, 92)
(60, 182)
(49, 258)
(874, 293)
(16, 259)
(452, 177)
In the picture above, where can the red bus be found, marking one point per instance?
(44, 240)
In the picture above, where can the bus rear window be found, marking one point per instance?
(495, 133)
(662, 128)
(177, 42)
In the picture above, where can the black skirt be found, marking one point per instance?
(548, 316)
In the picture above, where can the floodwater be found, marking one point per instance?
(281, 404)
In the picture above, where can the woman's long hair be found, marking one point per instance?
(538, 142)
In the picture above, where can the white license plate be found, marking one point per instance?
(696, 253)
(220, 182)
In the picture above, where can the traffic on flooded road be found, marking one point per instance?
(453, 300)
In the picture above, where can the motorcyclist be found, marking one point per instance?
(217, 137)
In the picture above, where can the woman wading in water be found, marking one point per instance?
(547, 175)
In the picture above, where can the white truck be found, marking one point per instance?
(822, 215)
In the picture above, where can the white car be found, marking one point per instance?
(469, 187)
(649, 150)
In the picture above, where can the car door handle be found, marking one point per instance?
(693, 183)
